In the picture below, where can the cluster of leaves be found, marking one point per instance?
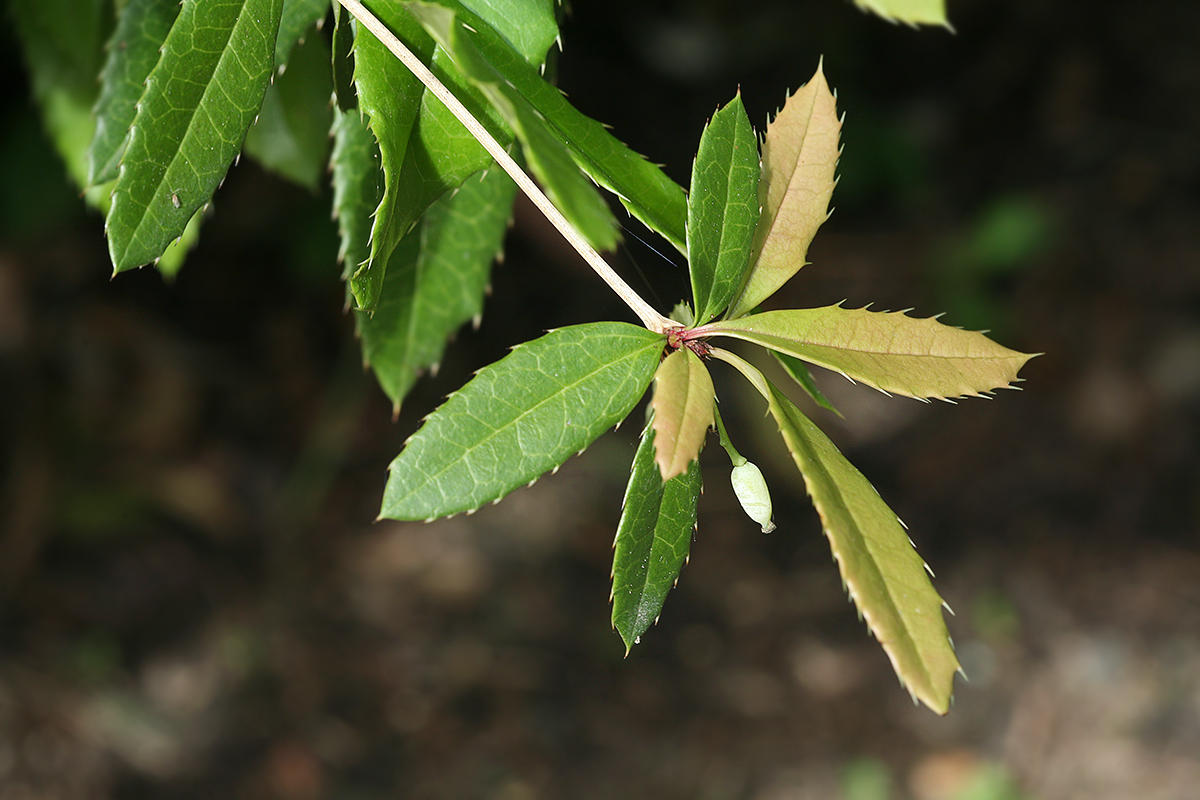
(422, 211)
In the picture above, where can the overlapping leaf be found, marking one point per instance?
(653, 540)
(297, 19)
(799, 159)
(566, 186)
(887, 350)
(722, 209)
(430, 152)
(644, 190)
(885, 577)
(132, 53)
(199, 102)
(683, 411)
(913, 12)
(520, 417)
(435, 281)
(357, 187)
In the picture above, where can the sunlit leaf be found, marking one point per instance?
(653, 539)
(887, 350)
(683, 411)
(722, 209)
(799, 158)
(199, 102)
(520, 417)
(435, 281)
(913, 12)
(885, 577)
(132, 53)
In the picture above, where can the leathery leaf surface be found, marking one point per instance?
(653, 540)
(520, 417)
(683, 411)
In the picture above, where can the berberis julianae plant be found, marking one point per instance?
(428, 98)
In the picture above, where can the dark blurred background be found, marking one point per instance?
(196, 602)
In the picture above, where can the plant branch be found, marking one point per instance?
(649, 317)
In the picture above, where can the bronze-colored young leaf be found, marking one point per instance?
(881, 570)
(683, 411)
(799, 156)
(887, 350)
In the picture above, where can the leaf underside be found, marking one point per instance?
(435, 281)
(520, 417)
(887, 350)
(653, 540)
(683, 411)
(200, 100)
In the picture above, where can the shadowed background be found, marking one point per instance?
(195, 600)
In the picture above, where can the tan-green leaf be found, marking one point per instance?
(887, 350)
(683, 411)
(799, 156)
(881, 570)
(914, 12)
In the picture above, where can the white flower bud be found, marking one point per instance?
(752, 493)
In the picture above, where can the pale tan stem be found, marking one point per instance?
(649, 317)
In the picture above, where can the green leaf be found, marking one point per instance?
(356, 187)
(291, 135)
(530, 26)
(798, 371)
(885, 577)
(389, 96)
(913, 12)
(722, 209)
(799, 158)
(435, 281)
(434, 154)
(887, 350)
(345, 97)
(653, 540)
(565, 185)
(521, 417)
(199, 102)
(644, 190)
(63, 44)
(132, 53)
(297, 19)
(683, 411)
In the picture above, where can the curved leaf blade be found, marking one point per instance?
(683, 411)
(653, 540)
(297, 18)
(199, 102)
(887, 350)
(435, 281)
(722, 209)
(799, 158)
(913, 12)
(885, 577)
(520, 417)
(133, 51)
(357, 187)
